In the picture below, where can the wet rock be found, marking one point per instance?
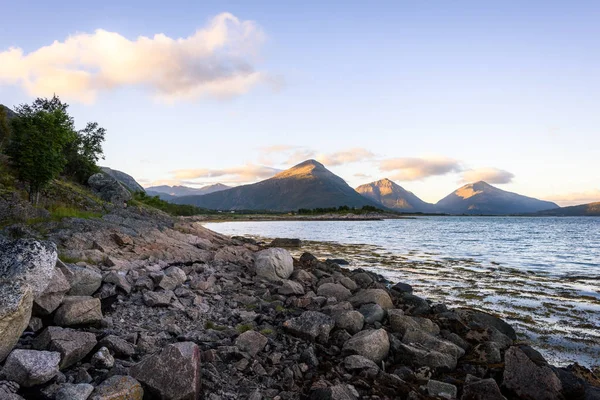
(311, 325)
(402, 288)
(357, 362)
(70, 391)
(118, 346)
(78, 310)
(53, 295)
(31, 367)
(84, 281)
(16, 301)
(284, 242)
(174, 373)
(158, 299)
(274, 264)
(431, 342)
(340, 292)
(251, 342)
(291, 288)
(118, 387)
(109, 189)
(415, 305)
(71, 344)
(337, 261)
(527, 374)
(486, 353)
(373, 344)
(348, 283)
(441, 389)
(362, 279)
(28, 261)
(103, 359)
(308, 260)
(481, 389)
(352, 321)
(480, 318)
(377, 296)
(372, 313)
(418, 356)
(402, 323)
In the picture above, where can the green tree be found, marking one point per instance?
(4, 128)
(84, 152)
(40, 134)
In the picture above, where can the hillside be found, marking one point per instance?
(482, 198)
(306, 185)
(9, 113)
(393, 196)
(590, 210)
(167, 192)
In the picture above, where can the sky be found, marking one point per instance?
(432, 94)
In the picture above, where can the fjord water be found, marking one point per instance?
(542, 274)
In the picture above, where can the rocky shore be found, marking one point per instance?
(137, 305)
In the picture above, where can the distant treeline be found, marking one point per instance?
(340, 209)
(184, 210)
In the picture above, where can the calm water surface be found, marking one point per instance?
(541, 274)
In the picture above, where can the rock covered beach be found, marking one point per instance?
(137, 305)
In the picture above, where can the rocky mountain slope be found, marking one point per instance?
(167, 192)
(482, 198)
(394, 196)
(589, 210)
(306, 185)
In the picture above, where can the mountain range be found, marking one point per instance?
(590, 210)
(307, 185)
(393, 196)
(168, 193)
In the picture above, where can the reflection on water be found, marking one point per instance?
(540, 274)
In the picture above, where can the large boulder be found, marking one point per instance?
(78, 310)
(31, 367)
(16, 301)
(425, 340)
(402, 323)
(26, 268)
(53, 295)
(350, 320)
(528, 375)
(109, 189)
(476, 318)
(72, 345)
(251, 342)
(417, 356)
(274, 264)
(310, 325)
(377, 296)
(172, 374)
(71, 391)
(481, 389)
(340, 292)
(119, 387)
(373, 344)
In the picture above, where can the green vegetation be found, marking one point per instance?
(267, 331)
(42, 144)
(60, 211)
(170, 208)
(340, 209)
(244, 328)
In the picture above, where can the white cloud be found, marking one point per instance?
(414, 168)
(345, 157)
(215, 61)
(489, 175)
(240, 174)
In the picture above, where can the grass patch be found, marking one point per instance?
(60, 211)
(267, 331)
(213, 326)
(280, 308)
(244, 328)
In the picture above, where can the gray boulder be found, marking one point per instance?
(352, 321)
(71, 391)
(119, 280)
(274, 264)
(84, 281)
(119, 387)
(402, 323)
(418, 356)
(174, 373)
(72, 345)
(251, 342)
(376, 296)
(337, 392)
(479, 318)
(372, 313)
(109, 189)
(118, 346)
(31, 367)
(311, 325)
(441, 389)
(53, 295)
(340, 292)
(373, 344)
(28, 261)
(481, 389)
(418, 337)
(16, 301)
(528, 375)
(356, 362)
(124, 178)
(291, 288)
(158, 299)
(78, 310)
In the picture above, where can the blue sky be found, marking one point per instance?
(431, 94)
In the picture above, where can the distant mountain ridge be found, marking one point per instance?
(306, 185)
(393, 196)
(481, 198)
(588, 210)
(167, 192)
